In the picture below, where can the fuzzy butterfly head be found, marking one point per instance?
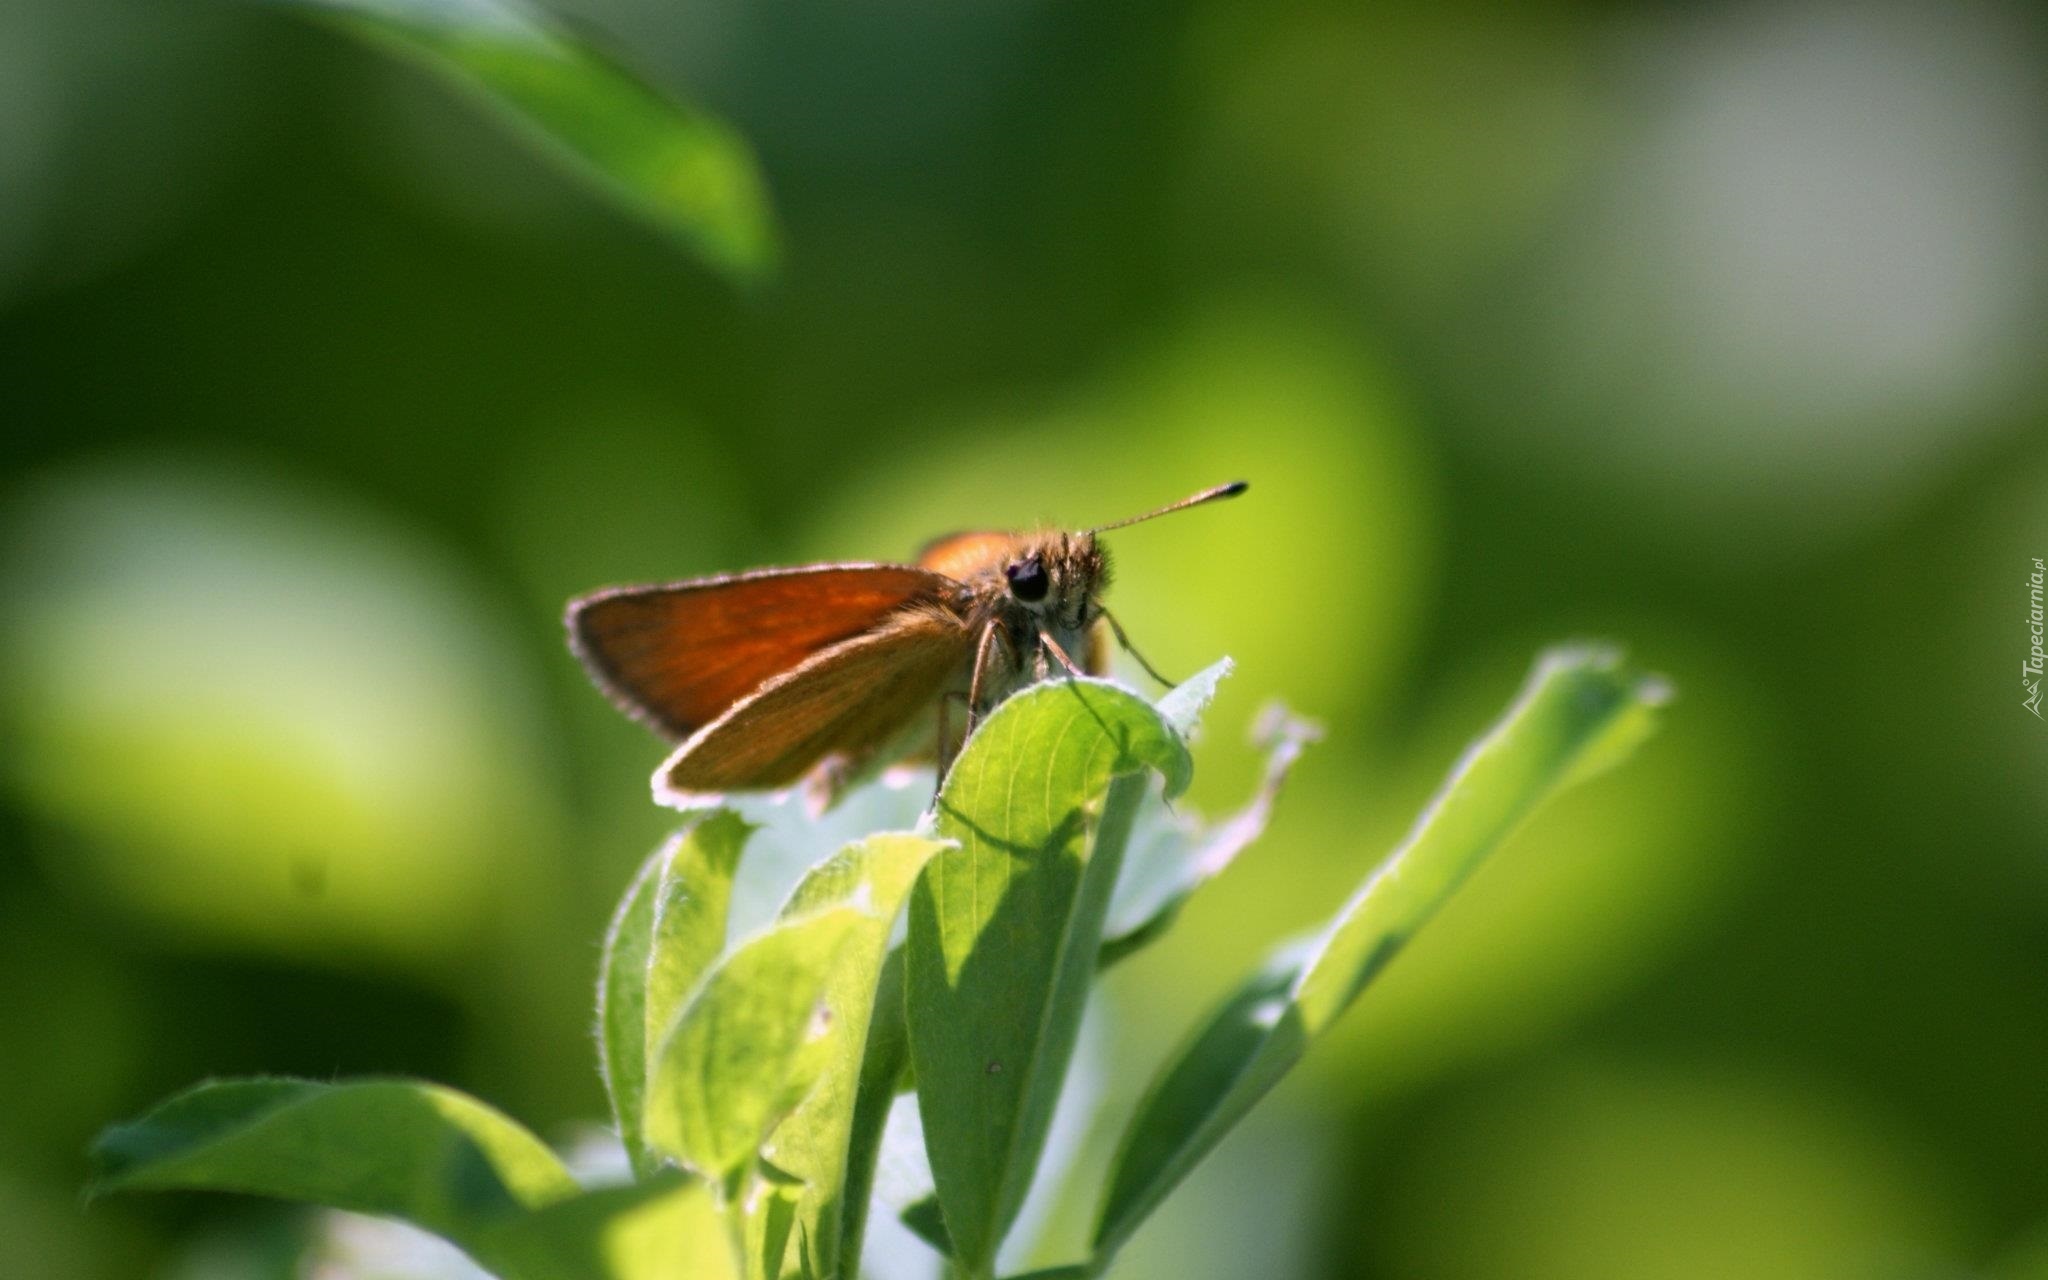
(1057, 578)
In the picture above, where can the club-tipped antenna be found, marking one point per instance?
(1230, 490)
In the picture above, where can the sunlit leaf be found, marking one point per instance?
(668, 929)
(394, 1148)
(664, 1228)
(1004, 932)
(768, 1217)
(674, 166)
(1580, 711)
(735, 1061)
(814, 1144)
(1171, 855)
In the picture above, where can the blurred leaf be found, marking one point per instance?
(1171, 857)
(664, 1228)
(814, 1145)
(737, 1059)
(395, 1148)
(683, 171)
(1699, 1167)
(668, 929)
(1004, 931)
(326, 748)
(1580, 711)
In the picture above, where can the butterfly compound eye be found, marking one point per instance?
(1028, 580)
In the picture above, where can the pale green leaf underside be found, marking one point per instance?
(1172, 856)
(1004, 930)
(731, 1066)
(1580, 711)
(1182, 706)
(672, 165)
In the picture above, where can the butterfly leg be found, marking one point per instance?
(1052, 647)
(977, 684)
(1124, 642)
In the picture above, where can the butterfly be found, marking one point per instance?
(822, 673)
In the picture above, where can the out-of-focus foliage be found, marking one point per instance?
(270, 717)
(687, 174)
(1712, 328)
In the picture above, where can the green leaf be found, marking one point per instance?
(1004, 932)
(691, 899)
(883, 1066)
(674, 166)
(928, 1223)
(814, 1144)
(768, 1213)
(433, 1157)
(668, 929)
(1172, 856)
(737, 1059)
(1580, 711)
(663, 1228)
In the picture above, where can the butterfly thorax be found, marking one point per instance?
(1046, 575)
(1035, 586)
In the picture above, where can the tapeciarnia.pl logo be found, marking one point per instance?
(2030, 670)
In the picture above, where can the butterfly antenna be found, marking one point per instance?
(1230, 490)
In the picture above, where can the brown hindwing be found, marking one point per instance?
(847, 700)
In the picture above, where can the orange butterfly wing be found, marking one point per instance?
(962, 556)
(679, 656)
(849, 700)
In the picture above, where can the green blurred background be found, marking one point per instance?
(1714, 329)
